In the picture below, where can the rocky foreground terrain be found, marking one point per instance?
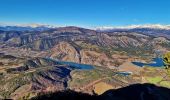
(29, 60)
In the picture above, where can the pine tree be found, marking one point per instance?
(166, 60)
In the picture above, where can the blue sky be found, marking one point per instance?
(85, 12)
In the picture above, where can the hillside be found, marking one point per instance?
(34, 61)
(24, 76)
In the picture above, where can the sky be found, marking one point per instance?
(85, 12)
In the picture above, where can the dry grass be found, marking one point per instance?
(102, 87)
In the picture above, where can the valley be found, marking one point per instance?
(79, 59)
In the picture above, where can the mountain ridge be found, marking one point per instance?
(97, 28)
(149, 26)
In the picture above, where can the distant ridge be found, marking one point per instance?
(150, 26)
(25, 27)
(42, 27)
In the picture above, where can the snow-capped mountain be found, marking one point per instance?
(43, 27)
(34, 25)
(26, 27)
(147, 26)
(155, 30)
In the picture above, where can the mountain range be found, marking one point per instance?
(102, 28)
(42, 59)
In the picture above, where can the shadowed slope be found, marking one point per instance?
(133, 92)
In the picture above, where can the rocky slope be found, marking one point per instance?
(24, 76)
(83, 45)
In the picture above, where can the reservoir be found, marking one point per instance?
(157, 62)
(74, 65)
(77, 65)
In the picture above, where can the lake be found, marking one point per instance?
(77, 65)
(73, 64)
(157, 62)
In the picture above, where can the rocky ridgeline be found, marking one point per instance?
(47, 39)
(66, 43)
